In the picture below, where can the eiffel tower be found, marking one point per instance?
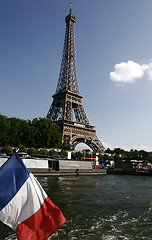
(67, 109)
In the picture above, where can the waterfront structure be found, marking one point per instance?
(67, 109)
(48, 167)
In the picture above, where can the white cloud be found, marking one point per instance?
(148, 70)
(128, 72)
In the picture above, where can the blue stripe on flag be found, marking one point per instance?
(13, 175)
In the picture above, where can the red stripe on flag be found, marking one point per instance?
(42, 224)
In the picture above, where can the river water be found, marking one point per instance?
(106, 207)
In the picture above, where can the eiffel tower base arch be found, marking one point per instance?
(73, 134)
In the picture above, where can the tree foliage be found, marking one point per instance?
(38, 133)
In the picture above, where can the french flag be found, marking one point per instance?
(24, 205)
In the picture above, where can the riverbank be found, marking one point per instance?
(137, 172)
(72, 173)
(56, 167)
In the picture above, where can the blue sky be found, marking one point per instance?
(113, 56)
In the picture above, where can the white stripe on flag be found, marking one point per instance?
(25, 203)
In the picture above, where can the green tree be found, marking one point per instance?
(143, 153)
(24, 133)
(77, 154)
(45, 133)
(119, 152)
(65, 146)
(64, 153)
(52, 152)
(4, 130)
(22, 148)
(108, 150)
(14, 139)
(133, 153)
(32, 151)
(118, 161)
(8, 150)
(44, 152)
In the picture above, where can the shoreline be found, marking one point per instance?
(132, 172)
(68, 174)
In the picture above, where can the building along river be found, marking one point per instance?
(106, 207)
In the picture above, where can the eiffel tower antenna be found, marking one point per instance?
(67, 109)
(70, 7)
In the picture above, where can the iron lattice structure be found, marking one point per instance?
(67, 109)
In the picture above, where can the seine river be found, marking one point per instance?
(107, 207)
